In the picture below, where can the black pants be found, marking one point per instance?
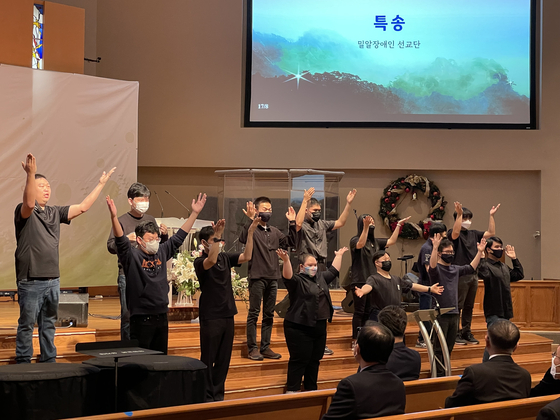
(261, 290)
(216, 344)
(151, 331)
(449, 323)
(362, 309)
(306, 346)
(467, 295)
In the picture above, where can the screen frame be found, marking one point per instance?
(248, 53)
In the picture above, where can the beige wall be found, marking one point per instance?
(187, 55)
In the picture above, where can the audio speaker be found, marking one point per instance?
(73, 307)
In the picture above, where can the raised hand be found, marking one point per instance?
(105, 176)
(198, 205)
(436, 240)
(458, 209)
(283, 254)
(219, 227)
(341, 251)
(291, 214)
(30, 164)
(307, 194)
(255, 223)
(111, 206)
(403, 221)
(494, 209)
(436, 289)
(481, 246)
(162, 230)
(250, 212)
(368, 221)
(510, 252)
(351, 195)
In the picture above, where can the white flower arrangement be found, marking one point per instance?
(183, 272)
(240, 287)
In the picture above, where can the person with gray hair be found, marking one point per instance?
(374, 391)
(498, 379)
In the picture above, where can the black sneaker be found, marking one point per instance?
(269, 354)
(470, 338)
(255, 354)
(328, 351)
(420, 344)
(460, 340)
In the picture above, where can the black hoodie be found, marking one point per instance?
(362, 259)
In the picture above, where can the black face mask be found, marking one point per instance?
(316, 216)
(265, 216)
(386, 265)
(447, 258)
(497, 253)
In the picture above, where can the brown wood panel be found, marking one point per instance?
(16, 32)
(543, 305)
(519, 296)
(63, 38)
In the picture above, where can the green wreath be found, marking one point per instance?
(411, 184)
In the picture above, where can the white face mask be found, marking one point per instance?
(466, 224)
(142, 207)
(152, 246)
(553, 368)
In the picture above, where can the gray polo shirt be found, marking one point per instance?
(313, 239)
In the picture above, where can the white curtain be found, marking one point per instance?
(77, 127)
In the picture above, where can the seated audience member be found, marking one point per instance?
(550, 383)
(551, 411)
(403, 362)
(498, 379)
(374, 391)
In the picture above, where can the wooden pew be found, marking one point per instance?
(421, 395)
(524, 409)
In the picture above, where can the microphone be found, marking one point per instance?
(177, 200)
(159, 201)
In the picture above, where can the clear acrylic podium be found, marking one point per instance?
(430, 315)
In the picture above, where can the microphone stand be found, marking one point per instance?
(159, 201)
(177, 200)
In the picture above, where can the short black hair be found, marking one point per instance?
(394, 318)
(493, 239)
(205, 233)
(379, 254)
(146, 226)
(138, 190)
(313, 202)
(303, 258)
(376, 343)
(444, 244)
(437, 228)
(503, 335)
(40, 176)
(259, 200)
(467, 214)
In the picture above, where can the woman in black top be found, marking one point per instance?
(305, 324)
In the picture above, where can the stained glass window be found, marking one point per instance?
(37, 61)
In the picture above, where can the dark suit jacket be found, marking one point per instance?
(551, 411)
(547, 386)
(374, 392)
(498, 379)
(404, 362)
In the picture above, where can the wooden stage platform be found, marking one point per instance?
(248, 378)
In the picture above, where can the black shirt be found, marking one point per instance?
(264, 263)
(216, 299)
(448, 277)
(497, 277)
(37, 239)
(313, 238)
(146, 274)
(305, 296)
(465, 245)
(387, 291)
(362, 259)
(424, 259)
(128, 223)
